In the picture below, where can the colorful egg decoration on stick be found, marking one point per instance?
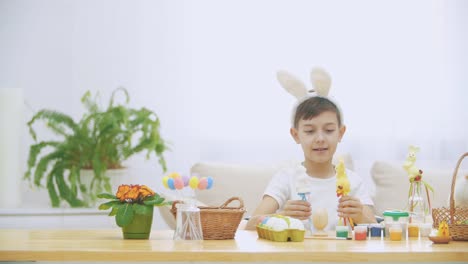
(210, 183)
(164, 181)
(179, 183)
(170, 183)
(193, 182)
(203, 183)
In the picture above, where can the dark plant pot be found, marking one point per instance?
(140, 227)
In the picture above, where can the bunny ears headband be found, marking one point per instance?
(321, 83)
(319, 78)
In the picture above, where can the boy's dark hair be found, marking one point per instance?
(314, 106)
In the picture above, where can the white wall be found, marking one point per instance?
(208, 69)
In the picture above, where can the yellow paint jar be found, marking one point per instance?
(413, 230)
(395, 232)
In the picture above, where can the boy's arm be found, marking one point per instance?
(267, 206)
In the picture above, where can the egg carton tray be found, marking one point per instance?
(293, 235)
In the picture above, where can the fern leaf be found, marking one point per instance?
(54, 198)
(34, 152)
(89, 104)
(64, 190)
(42, 165)
(127, 97)
(54, 117)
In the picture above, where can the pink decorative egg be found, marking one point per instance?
(203, 183)
(179, 183)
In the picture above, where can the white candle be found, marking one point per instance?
(11, 127)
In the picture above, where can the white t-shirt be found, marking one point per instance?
(287, 182)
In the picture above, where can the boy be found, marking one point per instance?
(317, 127)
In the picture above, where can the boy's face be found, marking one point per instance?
(319, 136)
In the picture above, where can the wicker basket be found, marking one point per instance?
(219, 222)
(454, 216)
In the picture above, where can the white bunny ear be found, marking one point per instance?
(321, 81)
(291, 84)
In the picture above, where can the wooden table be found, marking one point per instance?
(108, 245)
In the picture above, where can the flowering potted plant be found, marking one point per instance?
(132, 207)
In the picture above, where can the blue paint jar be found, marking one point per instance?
(376, 230)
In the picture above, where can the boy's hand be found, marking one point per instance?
(297, 208)
(352, 207)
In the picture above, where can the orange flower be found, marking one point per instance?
(123, 189)
(146, 191)
(133, 193)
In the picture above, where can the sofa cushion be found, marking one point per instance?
(392, 186)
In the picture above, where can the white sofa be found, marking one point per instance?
(388, 179)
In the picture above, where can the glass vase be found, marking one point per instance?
(417, 203)
(188, 226)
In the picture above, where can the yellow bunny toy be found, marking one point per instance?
(342, 183)
(414, 174)
(418, 206)
(343, 187)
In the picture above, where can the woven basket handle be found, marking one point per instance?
(174, 208)
(241, 202)
(174, 203)
(452, 190)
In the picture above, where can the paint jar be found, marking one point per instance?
(396, 217)
(342, 231)
(360, 232)
(376, 230)
(395, 232)
(413, 230)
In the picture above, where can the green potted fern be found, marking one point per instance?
(101, 140)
